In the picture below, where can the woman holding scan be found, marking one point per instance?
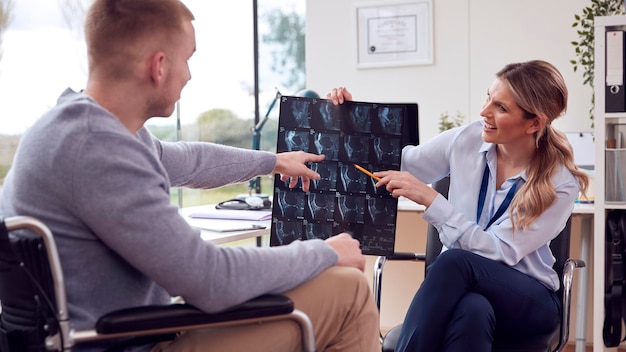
(512, 189)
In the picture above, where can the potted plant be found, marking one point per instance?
(447, 122)
(584, 47)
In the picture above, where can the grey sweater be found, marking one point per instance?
(104, 192)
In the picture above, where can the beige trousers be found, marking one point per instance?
(338, 302)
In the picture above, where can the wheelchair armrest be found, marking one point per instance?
(171, 316)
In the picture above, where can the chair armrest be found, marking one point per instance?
(171, 316)
(578, 263)
(406, 256)
(568, 275)
(379, 265)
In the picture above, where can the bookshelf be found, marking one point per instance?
(607, 180)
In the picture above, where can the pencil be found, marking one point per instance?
(363, 170)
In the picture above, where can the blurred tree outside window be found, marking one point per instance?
(6, 7)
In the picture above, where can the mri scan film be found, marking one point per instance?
(344, 199)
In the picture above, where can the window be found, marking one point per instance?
(44, 53)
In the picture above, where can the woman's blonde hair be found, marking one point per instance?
(540, 90)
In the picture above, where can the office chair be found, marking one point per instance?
(34, 310)
(564, 266)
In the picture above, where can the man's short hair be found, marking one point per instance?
(112, 26)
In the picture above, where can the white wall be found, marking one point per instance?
(473, 39)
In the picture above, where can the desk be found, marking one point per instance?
(585, 212)
(223, 237)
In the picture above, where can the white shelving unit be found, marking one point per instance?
(602, 120)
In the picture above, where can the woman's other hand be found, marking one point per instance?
(339, 95)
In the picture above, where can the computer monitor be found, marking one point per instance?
(410, 134)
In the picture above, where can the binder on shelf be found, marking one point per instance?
(615, 96)
(615, 167)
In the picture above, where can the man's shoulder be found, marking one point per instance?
(77, 113)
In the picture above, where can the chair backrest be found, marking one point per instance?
(27, 293)
(433, 244)
(560, 246)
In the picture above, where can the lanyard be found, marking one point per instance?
(483, 194)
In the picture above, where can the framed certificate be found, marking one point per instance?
(396, 34)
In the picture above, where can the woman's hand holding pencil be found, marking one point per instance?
(365, 171)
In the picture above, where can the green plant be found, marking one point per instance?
(584, 47)
(447, 122)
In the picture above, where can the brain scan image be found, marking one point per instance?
(351, 208)
(290, 204)
(359, 119)
(321, 207)
(327, 117)
(356, 148)
(318, 230)
(287, 232)
(390, 119)
(382, 211)
(328, 176)
(327, 144)
(387, 150)
(297, 140)
(300, 113)
(377, 190)
(352, 180)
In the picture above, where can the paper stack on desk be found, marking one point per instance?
(212, 213)
(216, 225)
